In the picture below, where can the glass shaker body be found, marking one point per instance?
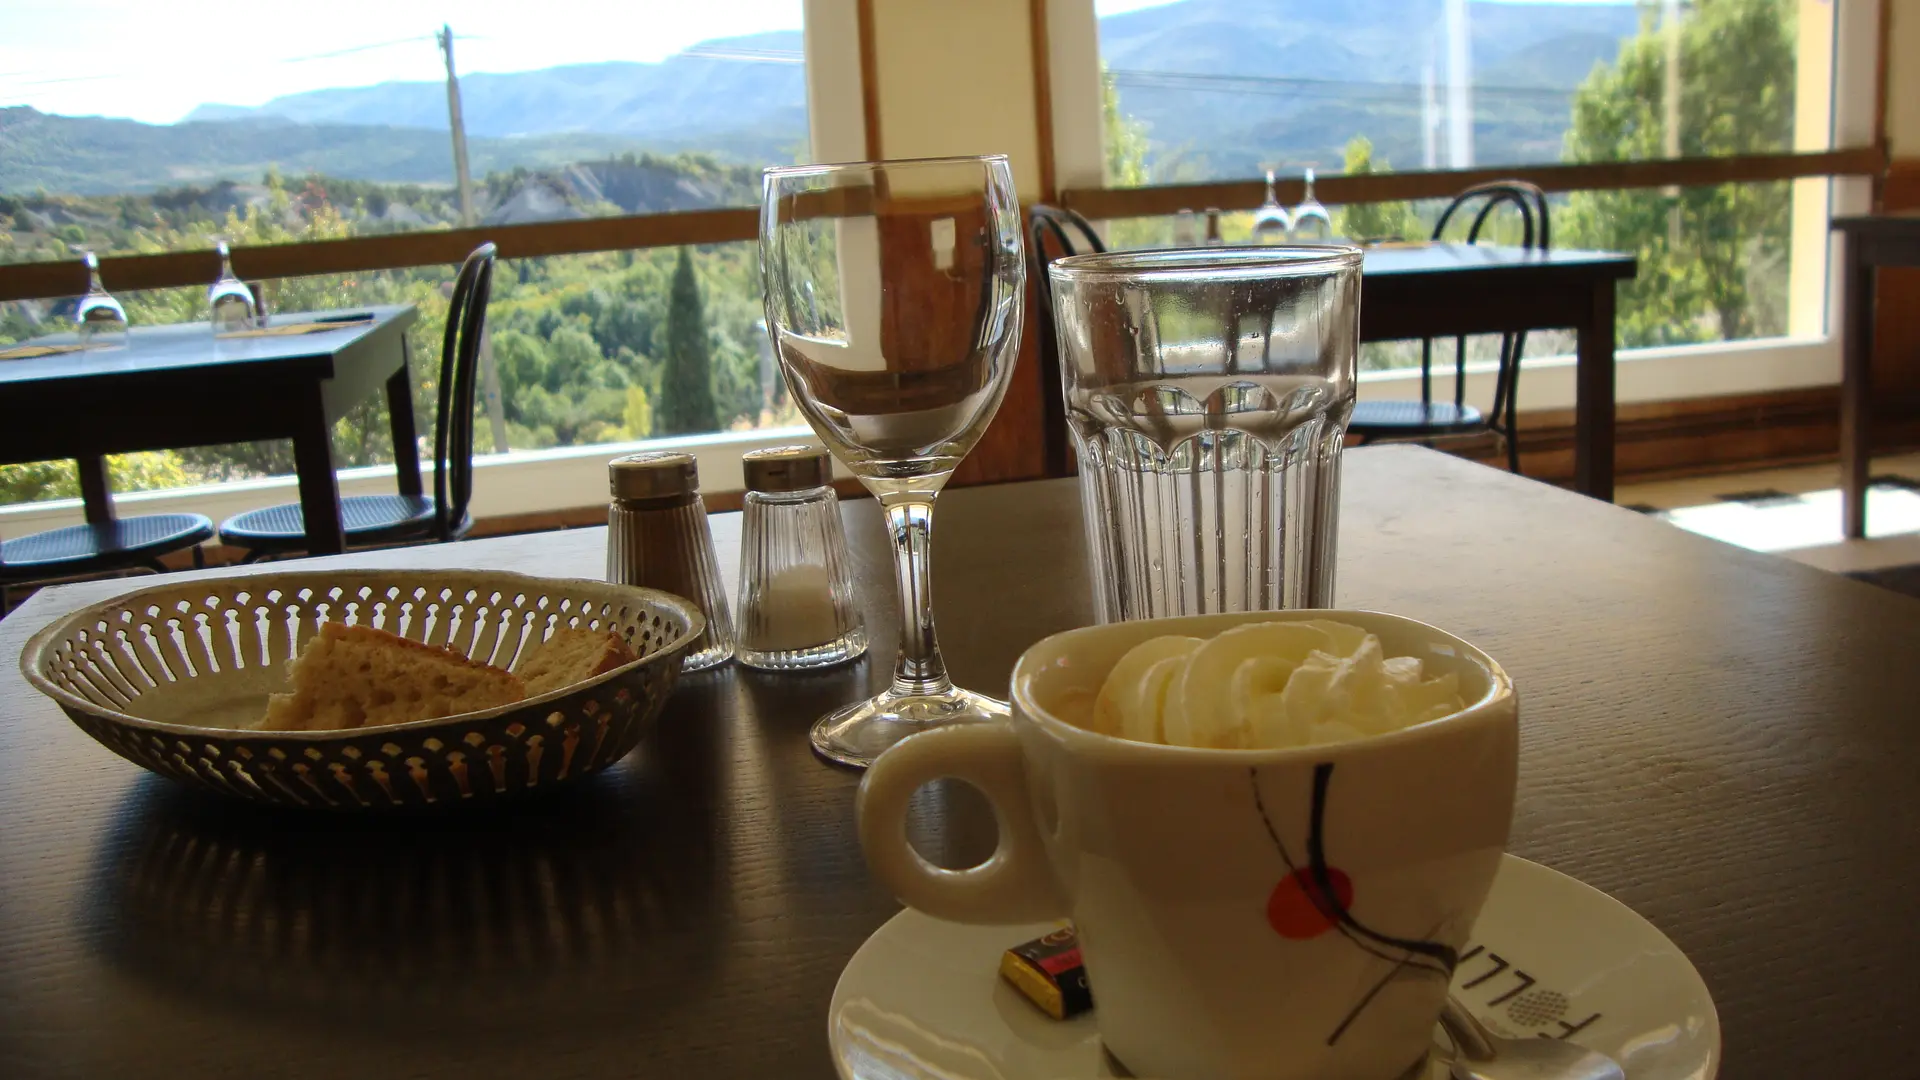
(797, 606)
(657, 537)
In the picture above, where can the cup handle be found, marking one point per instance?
(1015, 884)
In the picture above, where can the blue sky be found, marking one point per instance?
(154, 60)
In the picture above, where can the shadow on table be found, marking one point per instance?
(596, 898)
(949, 822)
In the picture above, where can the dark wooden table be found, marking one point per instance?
(175, 386)
(1872, 241)
(1443, 290)
(1722, 739)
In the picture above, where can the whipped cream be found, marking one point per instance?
(1268, 686)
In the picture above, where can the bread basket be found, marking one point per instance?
(167, 676)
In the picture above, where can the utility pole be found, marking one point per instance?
(489, 371)
(461, 176)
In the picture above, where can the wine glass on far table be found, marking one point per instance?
(229, 301)
(98, 318)
(1311, 222)
(894, 293)
(1271, 223)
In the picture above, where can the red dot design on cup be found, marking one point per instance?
(1300, 909)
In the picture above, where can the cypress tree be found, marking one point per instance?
(686, 379)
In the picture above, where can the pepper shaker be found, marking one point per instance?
(796, 593)
(657, 536)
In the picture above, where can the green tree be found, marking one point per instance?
(638, 415)
(1374, 221)
(1125, 143)
(1712, 259)
(686, 381)
(1125, 139)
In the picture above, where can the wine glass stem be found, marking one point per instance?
(919, 669)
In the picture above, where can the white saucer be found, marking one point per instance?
(923, 998)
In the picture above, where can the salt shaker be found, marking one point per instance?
(657, 536)
(796, 595)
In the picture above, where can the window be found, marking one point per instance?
(1199, 90)
(303, 129)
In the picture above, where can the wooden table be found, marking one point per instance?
(1872, 241)
(1444, 290)
(1722, 739)
(174, 386)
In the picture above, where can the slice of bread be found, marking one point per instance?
(571, 655)
(355, 676)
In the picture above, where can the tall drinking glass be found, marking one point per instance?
(894, 292)
(1208, 392)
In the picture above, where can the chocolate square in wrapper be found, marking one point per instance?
(1048, 972)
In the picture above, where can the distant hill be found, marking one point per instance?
(34, 226)
(752, 112)
(1230, 84)
(1223, 86)
(729, 87)
(91, 155)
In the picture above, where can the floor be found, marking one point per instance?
(1795, 512)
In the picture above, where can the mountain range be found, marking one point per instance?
(1222, 87)
(747, 88)
(1229, 86)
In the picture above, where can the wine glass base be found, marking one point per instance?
(860, 732)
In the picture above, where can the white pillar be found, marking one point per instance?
(1459, 86)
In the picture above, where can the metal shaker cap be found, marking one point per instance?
(786, 468)
(656, 475)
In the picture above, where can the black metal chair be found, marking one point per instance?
(382, 520)
(1430, 419)
(99, 547)
(1049, 229)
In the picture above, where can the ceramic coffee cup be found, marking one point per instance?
(1272, 914)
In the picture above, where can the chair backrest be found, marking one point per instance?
(1536, 235)
(1524, 197)
(459, 372)
(1053, 233)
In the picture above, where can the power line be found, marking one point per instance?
(756, 56)
(67, 79)
(358, 49)
(1277, 86)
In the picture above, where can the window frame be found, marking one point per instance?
(544, 480)
(1705, 370)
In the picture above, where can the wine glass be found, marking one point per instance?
(99, 319)
(1271, 223)
(894, 293)
(228, 298)
(1311, 223)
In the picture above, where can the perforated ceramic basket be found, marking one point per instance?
(167, 677)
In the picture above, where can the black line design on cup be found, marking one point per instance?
(1406, 955)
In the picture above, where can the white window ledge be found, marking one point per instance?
(1640, 375)
(520, 482)
(533, 481)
